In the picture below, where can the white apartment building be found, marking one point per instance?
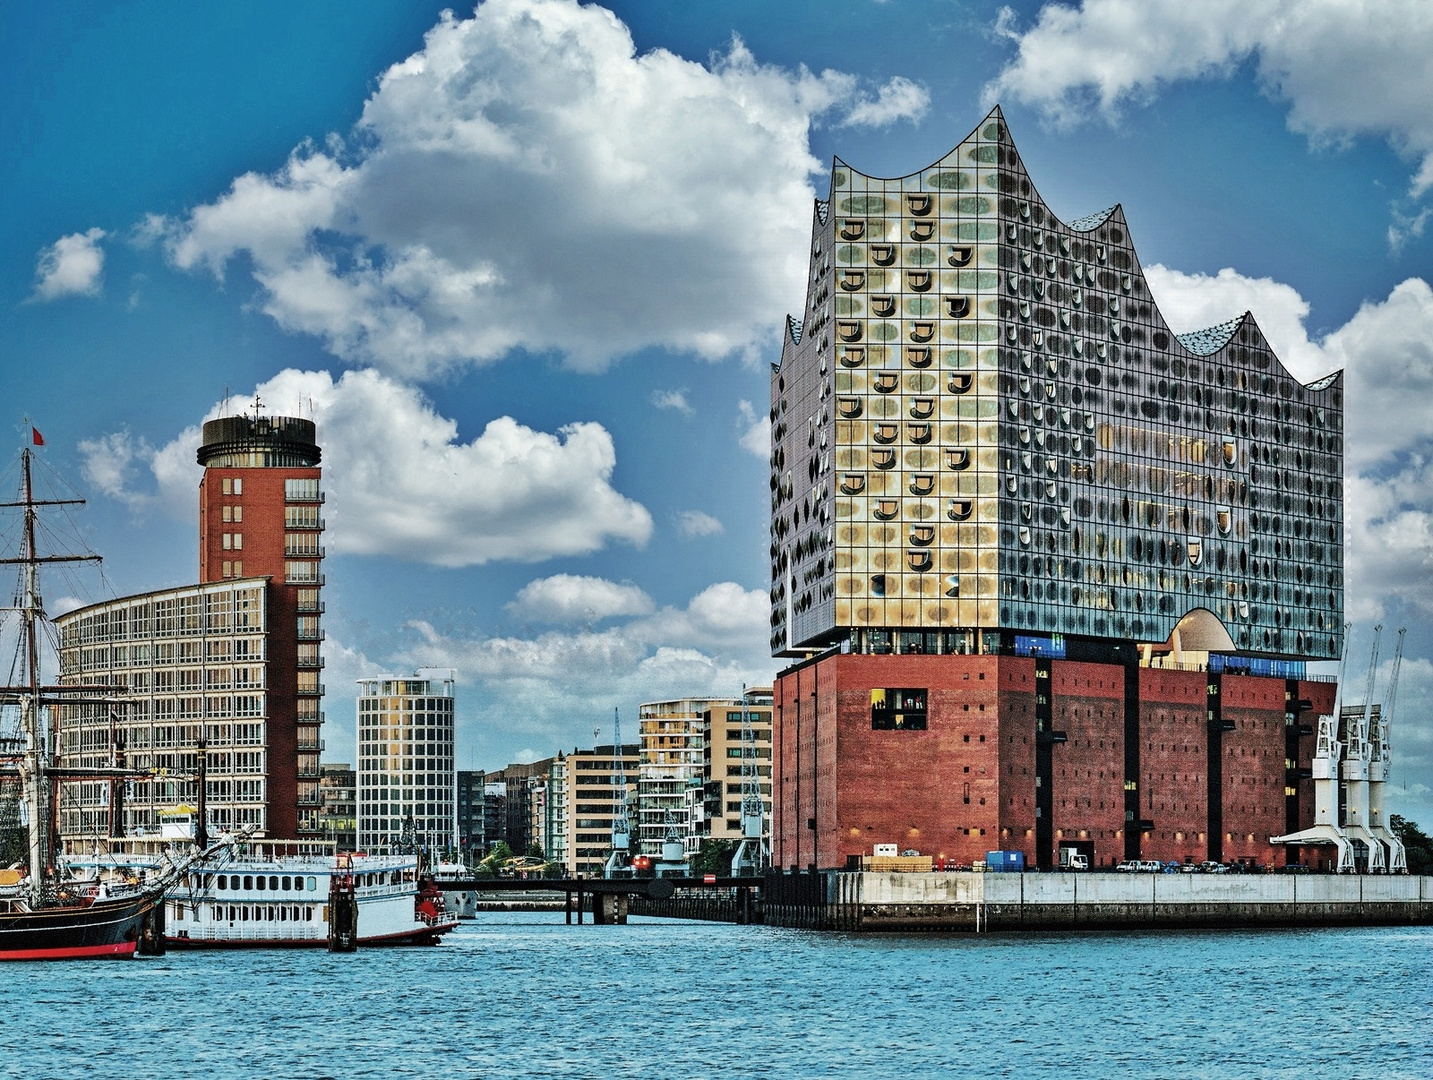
(405, 759)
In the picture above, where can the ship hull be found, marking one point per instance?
(104, 929)
(267, 903)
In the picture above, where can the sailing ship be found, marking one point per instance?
(44, 913)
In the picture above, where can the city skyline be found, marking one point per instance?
(550, 473)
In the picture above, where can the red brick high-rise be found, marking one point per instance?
(259, 516)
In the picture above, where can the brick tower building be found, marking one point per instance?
(1050, 573)
(259, 503)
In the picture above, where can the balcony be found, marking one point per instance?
(311, 635)
(314, 691)
(310, 662)
(296, 552)
(316, 607)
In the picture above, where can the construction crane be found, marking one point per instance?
(617, 861)
(752, 854)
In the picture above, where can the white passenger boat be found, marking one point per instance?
(269, 897)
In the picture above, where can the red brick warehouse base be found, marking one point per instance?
(1007, 743)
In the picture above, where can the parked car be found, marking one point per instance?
(1127, 867)
(1150, 866)
(1210, 867)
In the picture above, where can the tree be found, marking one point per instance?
(714, 857)
(1417, 844)
(496, 858)
(534, 851)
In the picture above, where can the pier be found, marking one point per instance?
(979, 903)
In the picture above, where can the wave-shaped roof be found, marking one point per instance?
(1212, 338)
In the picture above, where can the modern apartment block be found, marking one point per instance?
(197, 666)
(724, 754)
(405, 759)
(582, 835)
(234, 659)
(470, 814)
(338, 814)
(671, 770)
(1050, 572)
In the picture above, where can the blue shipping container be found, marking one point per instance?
(1010, 861)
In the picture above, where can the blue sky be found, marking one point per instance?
(528, 267)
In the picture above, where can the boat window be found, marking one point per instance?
(248, 881)
(288, 883)
(261, 882)
(312, 885)
(244, 913)
(223, 881)
(274, 883)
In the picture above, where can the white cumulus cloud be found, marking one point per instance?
(404, 485)
(675, 400)
(755, 428)
(1345, 69)
(72, 266)
(899, 99)
(575, 598)
(548, 691)
(529, 179)
(694, 523)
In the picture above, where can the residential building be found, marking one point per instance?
(232, 661)
(196, 665)
(338, 790)
(260, 507)
(582, 834)
(1050, 574)
(723, 755)
(405, 759)
(671, 770)
(470, 803)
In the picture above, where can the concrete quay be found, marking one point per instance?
(978, 903)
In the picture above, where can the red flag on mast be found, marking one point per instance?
(35, 435)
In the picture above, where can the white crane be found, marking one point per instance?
(1380, 758)
(1358, 752)
(752, 854)
(621, 828)
(1325, 770)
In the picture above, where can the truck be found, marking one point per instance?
(1072, 859)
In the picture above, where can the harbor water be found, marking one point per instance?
(523, 995)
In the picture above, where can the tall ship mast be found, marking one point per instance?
(43, 913)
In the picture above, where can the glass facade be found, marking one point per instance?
(983, 423)
(405, 760)
(192, 663)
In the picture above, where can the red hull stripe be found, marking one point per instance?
(78, 952)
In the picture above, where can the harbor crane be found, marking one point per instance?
(618, 861)
(753, 854)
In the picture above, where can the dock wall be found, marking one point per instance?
(972, 902)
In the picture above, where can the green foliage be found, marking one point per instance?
(714, 857)
(1417, 844)
(534, 851)
(494, 859)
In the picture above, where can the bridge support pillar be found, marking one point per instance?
(609, 909)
